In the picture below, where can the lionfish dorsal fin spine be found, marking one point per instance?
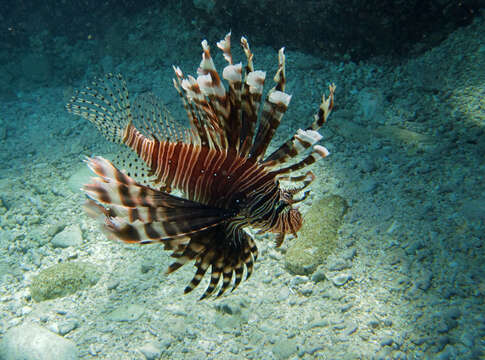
(251, 94)
(302, 140)
(275, 106)
(225, 46)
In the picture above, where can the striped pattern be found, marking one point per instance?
(219, 164)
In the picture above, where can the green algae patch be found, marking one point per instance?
(63, 279)
(318, 236)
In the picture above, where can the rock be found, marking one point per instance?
(70, 236)
(77, 180)
(341, 279)
(228, 308)
(151, 351)
(319, 275)
(448, 353)
(63, 279)
(231, 322)
(126, 312)
(338, 265)
(405, 136)
(424, 281)
(318, 236)
(284, 348)
(67, 326)
(33, 342)
(386, 341)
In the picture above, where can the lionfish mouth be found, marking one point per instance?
(218, 163)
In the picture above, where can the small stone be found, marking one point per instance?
(386, 341)
(349, 254)
(424, 281)
(70, 236)
(373, 324)
(283, 294)
(319, 323)
(399, 355)
(341, 279)
(112, 284)
(33, 342)
(350, 329)
(284, 348)
(228, 308)
(319, 275)
(346, 307)
(77, 180)
(67, 326)
(146, 267)
(448, 353)
(338, 265)
(298, 280)
(126, 312)
(151, 351)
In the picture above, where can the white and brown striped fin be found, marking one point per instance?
(134, 213)
(251, 95)
(298, 143)
(275, 106)
(317, 153)
(106, 104)
(304, 139)
(325, 109)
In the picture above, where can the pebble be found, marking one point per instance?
(424, 281)
(319, 275)
(126, 312)
(112, 284)
(338, 265)
(449, 352)
(283, 348)
(33, 342)
(70, 236)
(349, 254)
(386, 341)
(341, 279)
(228, 308)
(151, 351)
(67, 326)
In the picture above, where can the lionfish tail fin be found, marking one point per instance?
(106, 104)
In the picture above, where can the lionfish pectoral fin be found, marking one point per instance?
(135, 213)
(226, 259)
(280, 238)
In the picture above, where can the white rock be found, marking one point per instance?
(77, 180)
(70, 236)
(151, 351)
(33, 342)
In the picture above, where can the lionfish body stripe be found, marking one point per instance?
(219, 164)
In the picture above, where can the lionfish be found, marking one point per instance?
(218, 164)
